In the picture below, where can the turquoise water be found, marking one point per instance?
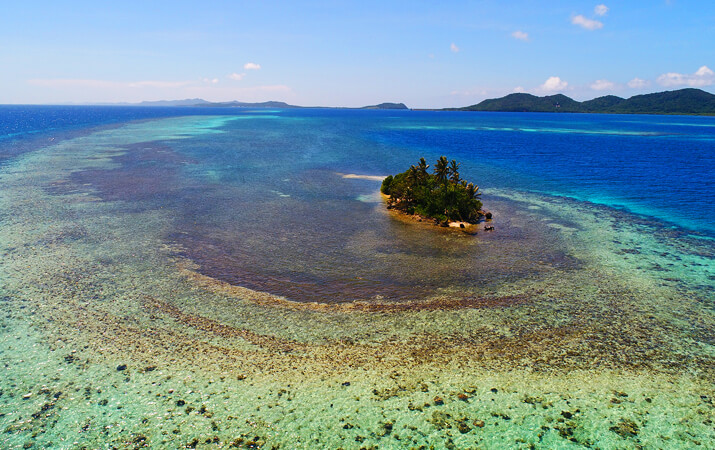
(207, 278)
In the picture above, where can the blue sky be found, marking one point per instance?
(350, 53)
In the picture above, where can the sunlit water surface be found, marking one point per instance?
(203, 277)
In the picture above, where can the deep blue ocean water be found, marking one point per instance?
(260, 202)
(660, 166)
(173, 277)
(657, 166)
(25, 127)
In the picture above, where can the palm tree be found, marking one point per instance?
(413, 174)
(454, 172)
(473, 191)
(423, 166)
(442, 169)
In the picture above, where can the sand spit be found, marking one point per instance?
(354, 176)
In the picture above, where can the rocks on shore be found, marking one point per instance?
(393, 204)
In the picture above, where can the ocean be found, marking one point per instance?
(204, 277)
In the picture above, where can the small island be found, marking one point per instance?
(386, 106)
(441, 196)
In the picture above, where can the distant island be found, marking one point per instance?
(198, 102)
(387, 106)
(235, 104)
(441, 196)
(688, 101)
(284, 105)
(683, 101)
(186, 102)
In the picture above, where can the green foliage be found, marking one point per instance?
(441, 195)
(386, 106)
(528, 103)
(386, 183)
(682, 101)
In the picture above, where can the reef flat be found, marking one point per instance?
(112, 336)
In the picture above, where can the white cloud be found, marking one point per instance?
(470, 93)
(637, 83)
(237, 76)
(106, 84)
(274, 88)
(522, 36)
(704, 71)
(158, 84)
(585, 23)
(229, 91)
(554, 84)
(519, 89)
(702, 77)
(454, 47)
(212, 89)
(251, 66)
(600, 10)
(602, 85)
(82, 83)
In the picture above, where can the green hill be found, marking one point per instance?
(683, 101)
(386, 106)
(527, 103)
(606, 103)
(235, 104)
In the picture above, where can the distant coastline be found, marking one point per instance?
(198, 102)
(682, 101)
(387, 106)
(274, 104)
(688, 101)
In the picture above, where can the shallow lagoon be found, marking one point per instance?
(210, 281)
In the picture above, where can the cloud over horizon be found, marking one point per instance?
(251, 66)
(237, 76)
(470, 93)
(602, 85)
(553, 84)
(638, 83)
(101, 91)
(600, 10)
(585, 23)
(104, 84)
(520, 35)
(702, 77)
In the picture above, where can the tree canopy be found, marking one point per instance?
(441, 195)
(682, 101)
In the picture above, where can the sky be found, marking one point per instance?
(426, 54)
